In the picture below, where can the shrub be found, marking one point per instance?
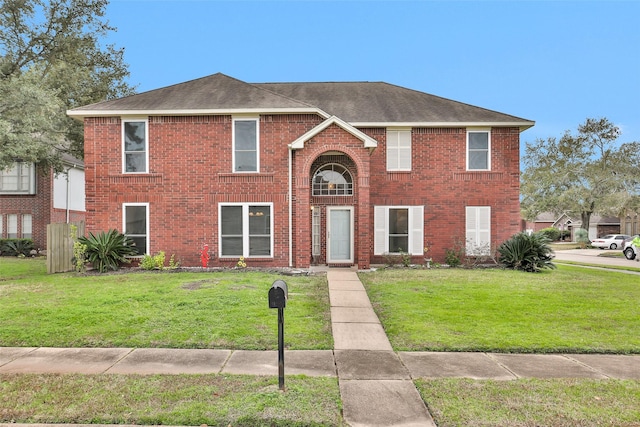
(452, 257)
(525, 252)
(155, 262)
(107, 251)
(551, 233)
(582, 237)
(16, 247)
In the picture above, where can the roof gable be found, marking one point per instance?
(366, 139)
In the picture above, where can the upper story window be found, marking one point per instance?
(332, 180)
(19, 179)
(135, 146)
(399, 150)
(478, 149)
(246, 145)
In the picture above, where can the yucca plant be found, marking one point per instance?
(107, 251)
(526, 252)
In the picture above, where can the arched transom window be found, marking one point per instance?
(332, 180)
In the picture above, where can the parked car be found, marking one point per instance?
(611, 241)
(630, 251)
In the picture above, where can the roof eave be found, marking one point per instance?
(81, 114)
(522, 125)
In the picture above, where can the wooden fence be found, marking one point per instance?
(60, 246)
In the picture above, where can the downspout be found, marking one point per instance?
(67, 196)
(290, 178)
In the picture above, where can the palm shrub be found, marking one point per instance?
(107, 251)
(16, 247)
(526, 252)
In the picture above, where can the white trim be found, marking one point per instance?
(368, 141)
(351, 235)
(245, 229)
(145, 120)
(147, 250)
(235, 119)
(81, 114)
(479, 130)
(523, 125)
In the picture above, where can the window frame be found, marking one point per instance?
(144, 120)
(246, 235)
(487, 150)
(234, 120)
(347, 191)
(20, 176)
(477, 235)
(395, 133)
(147, 236)
(415, 224)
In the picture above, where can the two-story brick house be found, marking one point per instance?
(291, 174)
(31, 198)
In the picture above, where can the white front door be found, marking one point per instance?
(340, 235)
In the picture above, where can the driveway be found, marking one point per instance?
(591, 256)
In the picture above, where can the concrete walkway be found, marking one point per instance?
(375, 382)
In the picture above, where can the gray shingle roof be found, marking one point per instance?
(354, 102)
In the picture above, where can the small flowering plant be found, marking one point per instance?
(241, 263)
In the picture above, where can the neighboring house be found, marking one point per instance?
(598, 225)
(629, 223)
(30, 199)
(291, 174)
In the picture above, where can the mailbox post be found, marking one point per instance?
(278, 295)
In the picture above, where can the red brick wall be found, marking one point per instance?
(439, 181)
(37, 205)
(190, 173)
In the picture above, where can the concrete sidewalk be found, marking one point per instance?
(376, 384)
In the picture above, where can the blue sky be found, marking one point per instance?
(553, 62)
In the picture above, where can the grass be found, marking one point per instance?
(532, 402)
(571, 309)
(150, 309)
(214, 400)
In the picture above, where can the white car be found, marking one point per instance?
(630, 251)
(611, 241)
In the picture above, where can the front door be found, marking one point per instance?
(340, 235)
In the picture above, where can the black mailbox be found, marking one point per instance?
(278, 294)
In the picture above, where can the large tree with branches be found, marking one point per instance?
(52, 59)
(580, 174)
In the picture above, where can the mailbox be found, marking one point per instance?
(278, 294)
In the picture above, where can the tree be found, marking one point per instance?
(580, 174)
(51, 59)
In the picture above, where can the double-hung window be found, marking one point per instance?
(399, 229)
(12, 226)
(136, 225)
(246, 145)
(399, 150)
(135, 146)
(27, 226)
(19, 179)
(246, 230)
(478, 230)
(478, 149)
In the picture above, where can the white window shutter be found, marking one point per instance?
(417, 229)
(484, 227)
(478, 227)
(404, 150)
(380, 230)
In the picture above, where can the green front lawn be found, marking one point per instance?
(157, 309)
(570, 309)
